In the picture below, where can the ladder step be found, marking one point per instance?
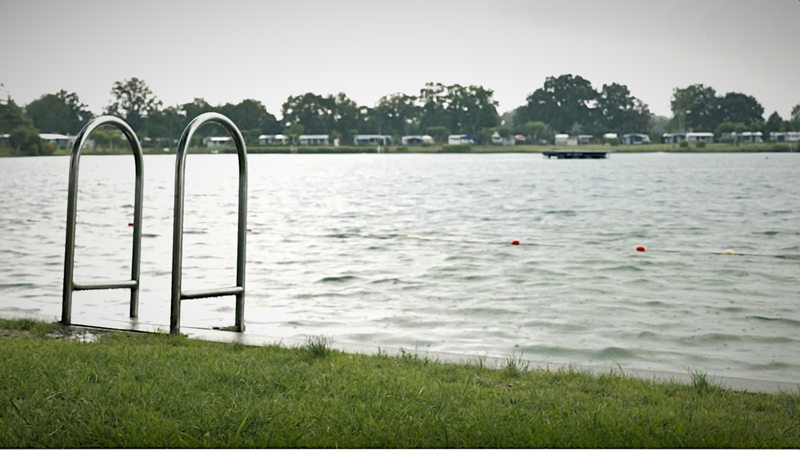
(220, 292)
(127, 284)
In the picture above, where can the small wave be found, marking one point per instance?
(778, 212)
(387, 281)
(768, 233)
(477, 277)
(20, 311)
(339, 279)
(772, 365)
(733, 309)
(616, 353)
(710, 338)
(562, 212)
(548, 351)
(723, 338)
(623, 268)
(487, 312)
(17, 285)
(792, 322)
(648, 335)
(340, 235)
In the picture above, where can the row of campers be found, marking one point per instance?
(325, 140)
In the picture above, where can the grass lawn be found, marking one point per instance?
(156, 390)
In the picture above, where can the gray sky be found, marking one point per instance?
(226, 51)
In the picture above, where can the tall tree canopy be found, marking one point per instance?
(251, 114)
(569, 103)
(796, 113)
(12, 116)
(740, 108)
(320, 115)
(23, 136)
(619, 111)
(164, 126)
(132, 100)
(561, 103)
(694, 108)
(395, 114)
(461, 109)
(62, 112)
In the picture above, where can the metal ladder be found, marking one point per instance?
(178, 294)
(177, 239)
(72, 209)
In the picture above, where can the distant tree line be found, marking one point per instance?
(563, 104)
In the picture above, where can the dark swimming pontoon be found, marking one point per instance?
(575, 154)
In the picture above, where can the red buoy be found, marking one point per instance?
(640, 248)
(130, 224)
(514, 242)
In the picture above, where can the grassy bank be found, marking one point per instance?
(145, 390)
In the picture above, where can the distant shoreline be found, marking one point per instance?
(437, 149)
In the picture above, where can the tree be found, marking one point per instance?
(132, 100)
(324, 115)
(348, 117)
(62, 112)
(23, 136)
(12, 116)
(251, 114)
(438, 133)
(460, 109)
(774, 123)
(724, 130)
(561, 103)
(25, 139)
(396, 114)
(535, 130)
(740, 108)
(618, 110)
(432, 103)
(191, 110)
(794, 121)
(294, 130)
(164, 126)
(310, 110)
(472, 108)
(694, 107)
(198, 106)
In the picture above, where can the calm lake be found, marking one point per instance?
(414, 251)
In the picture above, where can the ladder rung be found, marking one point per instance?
(235, 290)
(127, 284)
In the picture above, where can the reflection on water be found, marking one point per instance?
(415, 251)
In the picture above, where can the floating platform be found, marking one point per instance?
(575, 154)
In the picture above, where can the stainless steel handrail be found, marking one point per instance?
(177, 231)
(72, 210)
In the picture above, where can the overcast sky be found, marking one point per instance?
(227, 51)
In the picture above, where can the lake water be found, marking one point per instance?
(414, 251)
